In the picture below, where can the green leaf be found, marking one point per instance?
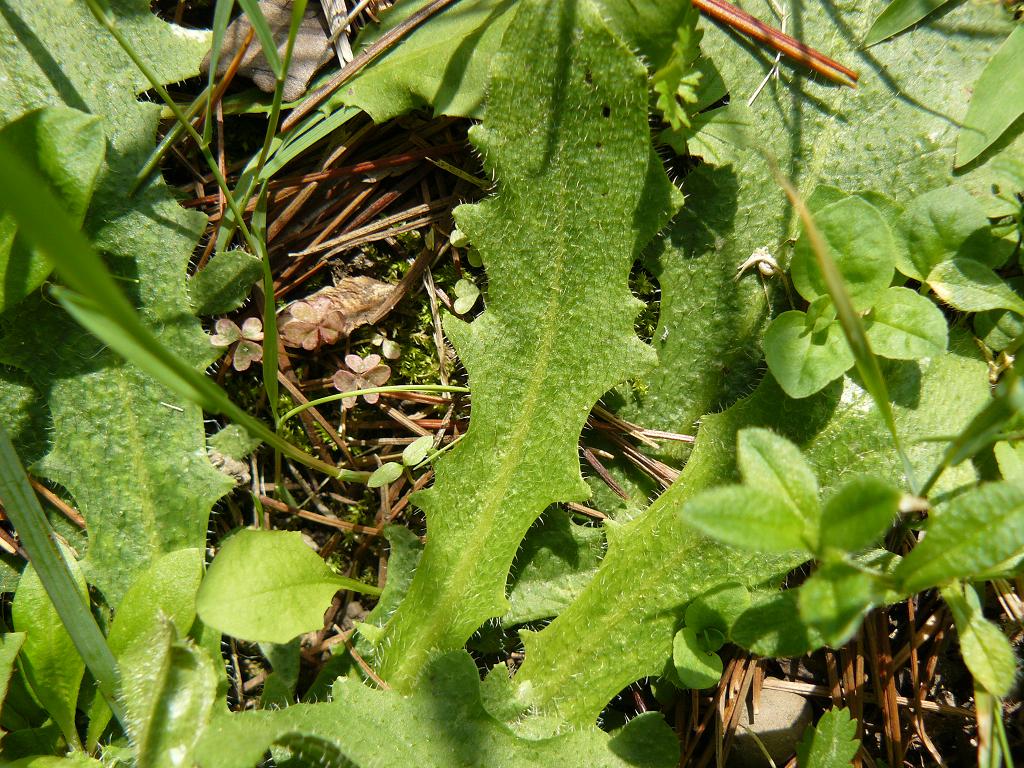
(861, 245)
(676, 82)
(545, 350)
(904, 325)
(466, 294)
(552, 566)
(154, 487)
(1010, 460)
(384, 474)
(166, 591)
(73, 760)
(224, 283)
(169, 687)
(898, 16)
(416, 451)
(773, 464)
(773, 626)
(977, 533)
(662, 565)
(997, 101)
(370, 727)
(268, 586)
(942, 224)
(804, 361)
(57, 576)
(10, 644)
(696, 667)
(986, 650)
(717, 608)
(49, 660)
(442, 64)
(834, 600)
(832, 743)
(66, 147)
(747, 518)
(970, 286)
(858, 514)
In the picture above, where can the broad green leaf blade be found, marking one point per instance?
(269, 586)
(224, 283)
(861, 246)
(552, 566)
(970, 286)
(154, 487)
(1010, 460)
(832, 743)
(898, 16)
(772, 464)
(658, 561)
(983, 428)
(747, 518)
(977, 533)
(49, 660)
(696, 667)
(835, 599)
(943, 224)
(985, 649)
(53, 570)
(10, 644)
(169, 687)
(858, 514)
(805, 361)
(578, 193)
(66, 147)
(73, 760)
(166, 591)
(997, 101)
(896, 134)
(904, 325)
(441, 723)
(718, 608)
(772, 626)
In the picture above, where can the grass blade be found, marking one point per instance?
(23, 510)
(853, 328)
(221, 17)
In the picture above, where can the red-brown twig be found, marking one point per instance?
(727, 13)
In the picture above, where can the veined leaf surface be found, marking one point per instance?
(578, 187)
(132, 456)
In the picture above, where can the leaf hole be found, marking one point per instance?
(606, 111)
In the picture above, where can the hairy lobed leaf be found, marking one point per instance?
(578, 189)
(442, 723)
(129, 453)
(621, 628)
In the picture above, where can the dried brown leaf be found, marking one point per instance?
(332, 313)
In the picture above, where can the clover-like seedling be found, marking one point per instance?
(466, 295)
(361, 373)
(244, 342)
(706, 627)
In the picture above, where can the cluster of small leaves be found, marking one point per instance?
(777, 509)
(806, 350)
(677, 81)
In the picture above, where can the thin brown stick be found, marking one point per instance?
(69, 512)
(729, 14)
(344, 525)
